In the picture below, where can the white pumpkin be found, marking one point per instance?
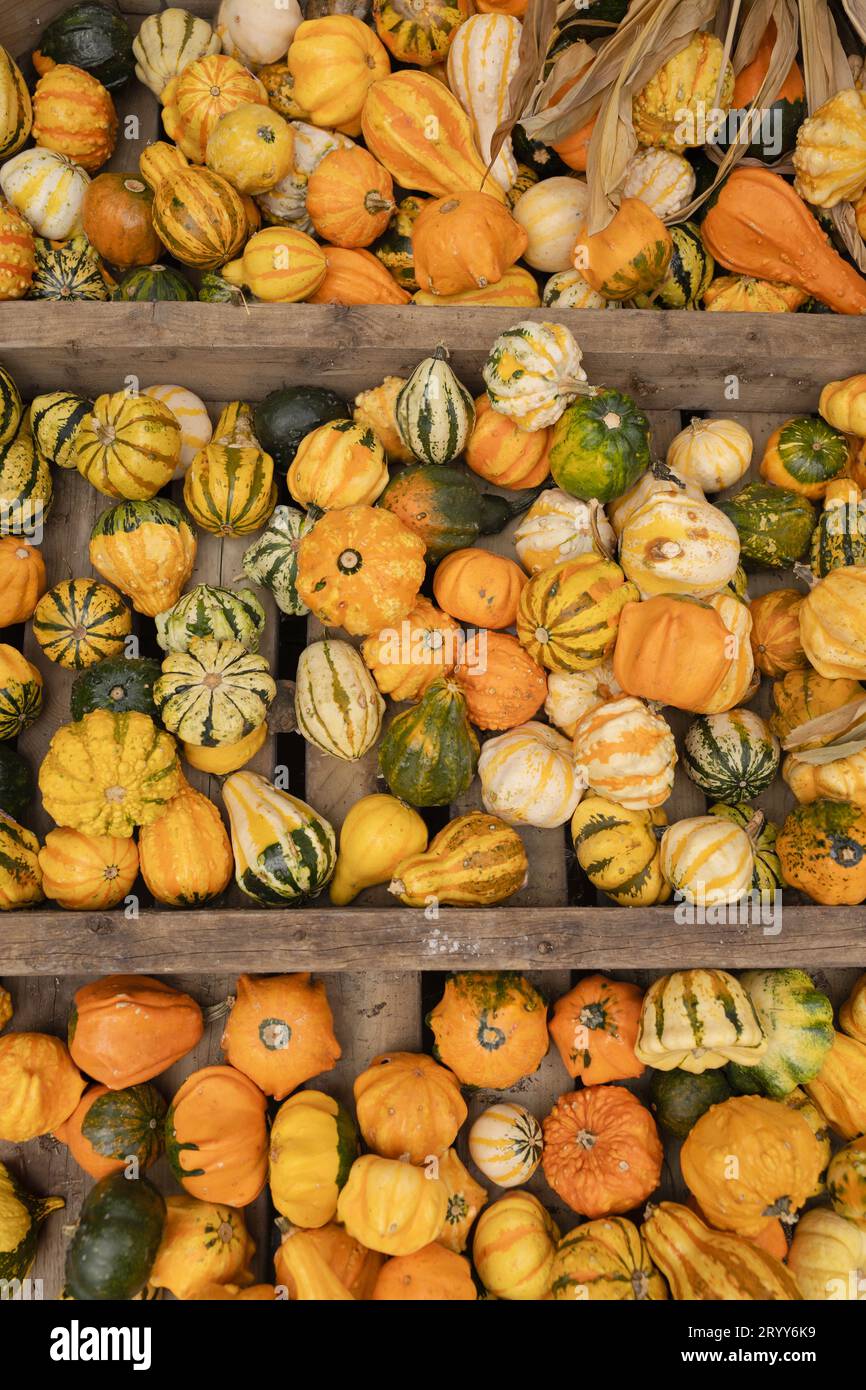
(505, 1144)
(708, 860)
(626, 753)
(528, 776)
(568, 289)
(482, 60)
(337, 706)
(657, 479)
(679, 545)
(533, 372)
(662, 179)
(191, 414)
(572, 694)
(47, 189)
(552, 213)
(558, 527)
(167, 42)
(713, 454)
(257, 31)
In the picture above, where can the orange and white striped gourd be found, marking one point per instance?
(626, 753)
(280, 265)
(559, 527)
(572, 694)
(708, 860)
(833, 624)
(505, 1144)
(500, 452)
(204, 90)
(191, 414)
(482, 60)
(48, 190)
(552, 213)
(676, 544)
(713, 454)
(528, 776)
(657, 479)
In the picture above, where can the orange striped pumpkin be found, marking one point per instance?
(203, 91)
(500, 452)
(775, 632)
(17, 253)
(279, 264)
(74, 115)
(356, 277)
(627, 753)
(199, 217)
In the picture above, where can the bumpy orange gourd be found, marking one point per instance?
(82, 872)
(464, 241)
(431, 1274)
(500, 452)
(405, 661)
(595, 1027)
(356, 277)
(602, 1153)
(280, 1031)
(74, 115)
(128, 1028)
(478, 588)
(17, 254)
(186, 857)
(39, 1085)
(217, 1136)
(350, 197)
(500, 682)
(408, 1104)
(490, 1028)
(22, 579)
(360, 568)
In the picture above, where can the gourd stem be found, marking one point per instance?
(755, 826)
(804, 574)
(217, 1011)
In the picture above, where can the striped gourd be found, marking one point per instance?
(662, 179)
(338, 464)
(833, 625)
(55, 419)
(80, 622)
(505, 1143)
(74, 115)
(767, 873)
(559, 527)
(67, 272)
(158, 160)
(128, 446)
(517, 289)
(10, 407)
(272, 559)
(17, 253)
(20, 874)
(552, 213)
(707, 861)
(688, 275)
(732, 756)
(337, 706)
(20, 692)
(147, 550)
(605, 1260)
(798, 1021)
(482, 60)
(839, 539)
(736, 685)
(627, 753)
(712, 454)
(191, 414)
(200, 217)
(280, 265)
(618, 851)
(429, 754)
(48, 190)
(532, 372)
(205, 89)
(284, 850)
(435, 412)
(215, 692)
(16, 114)
(568, 614)
(476, 861)
(168, 42)
(528, 776)
(226, 615)
(707, 1265)
(229, 489)
(26, 488)
(698, 1020)
(572, 694)
(567, 289)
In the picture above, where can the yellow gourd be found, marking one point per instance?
(392, 1206)
(513, 1248)
(377, 834)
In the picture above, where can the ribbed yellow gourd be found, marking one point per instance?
(708, 860)
(833, 624)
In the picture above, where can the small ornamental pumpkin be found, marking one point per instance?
(466, 1198)
(463, 241)
(502, 453)
(618, 850)
(529, 777)
(209, 611)
(229, 489)
(490, 1028)
(804, 695)
(839, 539)
(251, 147)
(679, 1098)
(776, 632)
(68, 272)
(360, 569)
(302, 1255)
(186, 858)
(830, 156)
(334, 61)
(280, 1031)
(87, 872)
(20, 692)
(377, 835)
(852, 1015)
(476, 861)
(284, 850)
(516, 289)
(804, 455)
(838, 1089)
(831, 624)
(147, 549)
(665, 181)
(350, 198)
(22, 579)
(129, 446)
(340, 464)
(44, 192)
(272, 558)
(376, 409)
(679, 651)
(408, 1105)
(199, 217)
(559, 527)
(405, 660)
(125, 1029)
(629, 256)
(513, 1248)
(698, 1020)
(744, 294)
(606, 1260)
(822, 850)
(569, 613)
(392, 1206)
(602, 1152)
(707, 860)
(505, 1144)
(478, 588)
(572, 694)
(20, 871)
(74, 115)
(776, 1163)
(202, 92)
(595, 1027)
(313, 1146)
(215, 692)
(798, 1022)
(731, 757)
(108, 1128)
(434, 411)
(430, 1274)
(774, 524)
(827, 1255)
(353, 277)
(205, 1246)
(80, 622)
(846, 1181)
(17, 113)
(116, 215)
(419, 34)
(600, 446)
(216, 1136)
(18, 246)
(696, 78)
(39, 1085)
(533, 372)
(499, 680)
(191, 414)
(658, 478)
(626, 753)
(552, 212)
(714, 454)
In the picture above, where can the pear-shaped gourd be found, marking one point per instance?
(377, 834)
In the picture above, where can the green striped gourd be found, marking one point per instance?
(435, 412)
(16, 113)
(27, 1212)
(26, 488)
(55, 419)
(429, 755)
(80, 622)
(337, 705)
(20, 692)
(698, 1020)
(272, 559)
(213, 693)
(20, 874)
(798, 1022)
(116, 684)
(839, 539)
(505, 1143)
(775, 526)
(731, 757)
(688, 274)
(767, 873)
(226, 615)
(10, 407)
(600, 446)
(532, 372)
(67, 272)
(154, 282)
(284, 851)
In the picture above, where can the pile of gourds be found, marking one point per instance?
(360, 137)
(626, 594)
(382, 1204)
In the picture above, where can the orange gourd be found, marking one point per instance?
(186, 855)
(673, 649)
(280, 1031)
(408, 1105)
(22, 579)
(128, 1028)
(217, 1136)
(87, 872)
(204, 90)
(500, 452)
(352, 1263)
(602, 1152)
(595, 1028)
(501, 683)
(74, 115)
(356, 277)
(759, 226)
(464, 241)
(776, 632)
(432, 1275)
(406, 661)
(627, 257)
(490, 1028)
(479, 588)
(128, 1125)
(117, 218)
(17, 253)
(39, 1085)
(350, 197)
(573, 149)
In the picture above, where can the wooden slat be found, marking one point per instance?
(662, 360)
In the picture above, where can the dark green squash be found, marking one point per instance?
(394, 247)
(213, 289)
(429, 755)
(114, 1246)
(774, 525)
(679, 1098)
(595, 19)
(600, 446)
(153, 282)
(282, 419)
(15, 1262)
(90, 36)
(542, 158)
(688, 275)
(16, 782)
(442, 505)
(127, 1124)
(67, 272)
(118, 684)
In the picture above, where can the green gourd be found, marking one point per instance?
(430, 752)
(111, 1254)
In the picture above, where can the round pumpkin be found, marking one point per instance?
(709, 861)
(340, 464)
(80, 622)
(404, 662)
(513, 1248)
(117, 218)
(360, 569)
(626, 753)
(39, 1085)
(129, 446)
(125, 1029)
(334, 60)
(552, 214)
(109, 1128)
(714, 454)
(215, 692)
(828, 1255)
(199, 217)
(205, 1247)
(280, 1031)
(505, 1144)
(731, 757)
(251, 147)
(846, 1181)
(618, 850)
(216, 1136)
(203, 91)
(313, 1147)
(594, 1027)
(602, 1152)
(533, 372)
(490, 1028)
(478, 588)
(501, 683)
(408, 1105)
(600, 446)
(776, 632)
(350, 198)
(431, 1274)
(87, 872)
(822, 850)
(22, 579)
(392, 1206)
(464, 241)
(676, 544)
(804, 455)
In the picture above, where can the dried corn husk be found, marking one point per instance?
(831, 736)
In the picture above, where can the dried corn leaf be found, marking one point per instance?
(833, 752)
(847, 722)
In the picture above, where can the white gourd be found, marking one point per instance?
(482, 60)
(708, 860)
(657, 479)
(257, 31)
(559, 527)
(337, 706)
(48, 190)
(506, 1143)
(552, 213)
(191, 414)
(528, 776)
(572, 694)
(713, 454)
(568, 289)
(167, 42)
(676, 544)
(533, 372)
(662, 179)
